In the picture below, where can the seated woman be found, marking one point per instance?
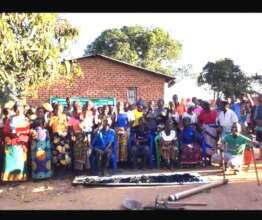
(234, 145)
(190, 144)
(168, 145)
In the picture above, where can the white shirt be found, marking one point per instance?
(227, 119)
(193, 117)
(130, 116)
(87, 124)
(1, 122)
(171, 137)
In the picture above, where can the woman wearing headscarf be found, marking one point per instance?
(5, 127)
(16, 146)
(207, 121)
(40, 147)
(190, 144)
(121, 132)
(60, 138)
(79, 141)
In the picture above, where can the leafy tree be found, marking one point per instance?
(225, 78)
(184, 71)
(148, 48)
(256, 82)
(31, 47)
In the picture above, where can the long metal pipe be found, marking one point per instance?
(255, 165)
(186, 193)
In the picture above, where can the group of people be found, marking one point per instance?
(39, 142)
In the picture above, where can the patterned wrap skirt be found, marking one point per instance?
(41, 158)
(167, 150)
(80, 150)
(15, 159)
(190, 153)
(210, 135)
(122, 140)
(61, 151)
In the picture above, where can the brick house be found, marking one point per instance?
(106, 77)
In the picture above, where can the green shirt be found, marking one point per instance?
(236, 145)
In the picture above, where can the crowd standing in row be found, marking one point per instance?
(41, 141)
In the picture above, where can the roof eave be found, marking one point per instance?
(128, 64)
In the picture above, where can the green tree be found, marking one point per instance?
(224, 78)
(31, 48)
(148, 48)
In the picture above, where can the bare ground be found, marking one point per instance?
(241, 193)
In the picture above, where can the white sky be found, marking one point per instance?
(205, 36)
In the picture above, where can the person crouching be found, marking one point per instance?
(233, 145)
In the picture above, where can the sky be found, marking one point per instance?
(204, 36)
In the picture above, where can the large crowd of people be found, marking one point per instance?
(38, 142)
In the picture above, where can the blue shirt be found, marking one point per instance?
(236, 108)
(122, 120)
(103, 138)
(258, 112)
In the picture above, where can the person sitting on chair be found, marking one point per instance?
(168, 145)
(102, 146)
(140, 148)
(233, 145)
(190, 144)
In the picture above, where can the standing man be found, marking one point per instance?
(226, 118)
(160, 114)
(258, 119)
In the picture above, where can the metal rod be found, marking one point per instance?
(223, 163)
(255, 165)
(174, 203)
(186, 193)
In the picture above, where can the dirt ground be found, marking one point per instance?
(241, 193)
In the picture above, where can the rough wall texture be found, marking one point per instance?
(104, 78)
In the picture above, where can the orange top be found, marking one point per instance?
(181, 108)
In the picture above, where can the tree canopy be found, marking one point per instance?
(148, 48)
(31, 47)
(225, 78)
